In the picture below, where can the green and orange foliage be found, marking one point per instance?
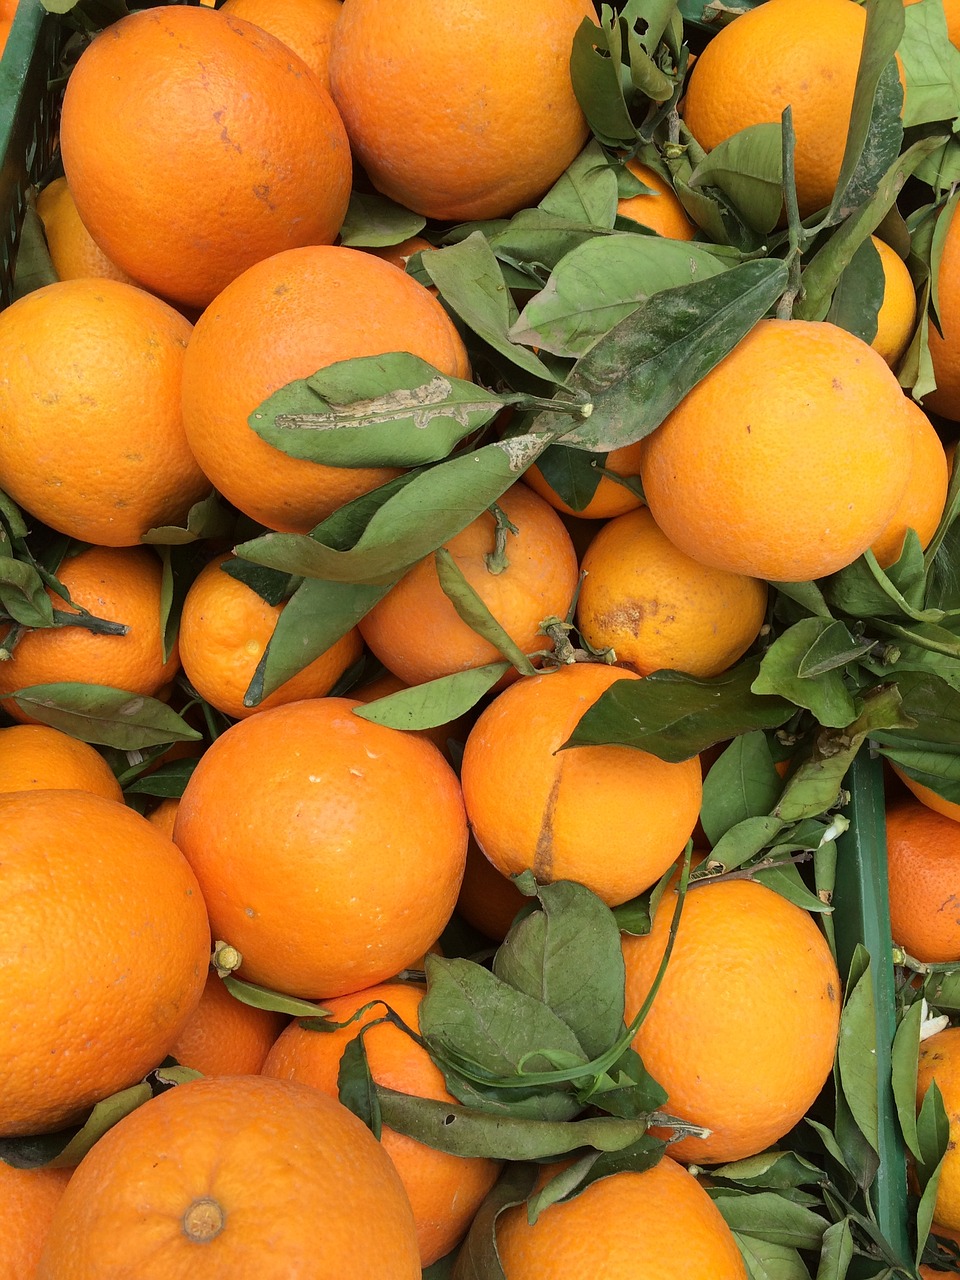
(743, 1029)
(898, 311)
(445, 1191)
(234, 1176)
(528, 575)
(73, 251)
(116, 584)
(91, 430)
(923, 876)
(399, 253)
(441, 735)
(183, 91)
(661, 211)
(225, 1037)
(305, 26)
(940, 1061)
(944, 336)
(225, 627)
(35, 757)
(656, 607)
(951, 9)
(610, 499)
(773, 56)
(922, 503)
(330, 849)
(473, 118)
(284, 319)
(926, 795)
(488, 899)
(104, 946)
(573, 815)
(759, 501)
(28, 1197)
(653, 1225)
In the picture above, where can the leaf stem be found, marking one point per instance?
(794, 230)
(496, 560)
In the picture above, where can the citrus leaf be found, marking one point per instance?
(478, 1259)
(931, 66)
(787, 881)
(23, 595)
(836, 1251)
(472, 610)
(826, 695)
(269, 584)
(857, 1057)
(595, 69)
(275, 1001)
(744, 841)
(374, 222)
(436, 702)
(104, 715)
(355, 1085)
(573, 474)
(765, 1215)
(167, 781)
(748, 167)
(858, 297)
(586, 192)
(906, 1050)
(207, 519)
(34, 267)
(743, 783)
(67, 1147)
(775, 1170)
(638, 1157)
(767, 1261)
(534, 241)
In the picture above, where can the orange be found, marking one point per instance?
(29, 1197)
(104, 947)
(239, 1176)
(472, 118)
(34, 757)
(945, 339)
(774, 56)
(655, 607)
(285, 319)
(195, 145)
(330, 849)
(653, 1225)
(926, 795)
(923, 500)
(662, 212)
(610, 498)
(573, 815)
(224, 1036)
(164, 816)
(91, 432)
(898, 312)
(923, 875)
(797, 408)
(417, 633)
(305, 26)
(73, 251)
(225, 628)
(445, 1191)
(488, 900)
(940, 1061)
(743, 1029)
(117, 584)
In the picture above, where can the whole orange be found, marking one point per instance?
(610, 498)
(743, 1029)
(225, 627)
(798, 407)
(35, 757)
(923, 877)
(73, 251)
(656, 607)
(898, 311)
(653, 1225)
(305, 26)
(922, 503)
(91, 431)
(236, 1176)
(283, 319)
(940, 1061)
(330, 849)
(445, 1191)
(662, 211)
(117, 584)
(462, 116)
(29, 1197)
(225, 1037)
(415, 629)
(573, 815)
(196, 144)
(104, 946)
(945, 339)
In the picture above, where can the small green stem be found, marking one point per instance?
(496, 560)
(794, 230)
(576, 409)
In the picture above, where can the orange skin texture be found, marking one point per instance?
(898, 312)
(186, 90)
(924, 498)
(290, 821)
(445, 1191)
(940, 1061)
(743, 1029)
(572, 815)
(164, 816)
(36, 757)
(776, 56)
(417, 633)
(91, 432)
(29, 1197)
(923, 875)
(646, 1218)
(803, 460)
(286, 1173)
(225, 628)
(488, 900)
(610, 499)
(662, 212)
(224, 1036)
(945, 343)
(305, 26)
(73, 251)
(460, 114)
(656, 607)
(98, 1010)
(284, 319)
(119, 584)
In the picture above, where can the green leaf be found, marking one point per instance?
(534, 241)
(745, 840)
(766, 1261)
(857, 1057)
(436, 702)
(573, 474)
(587, 191)
(748, 167)
(743, 783)
(374, 222)
(638, 1157)
(355, 1085)
(931, 66)
(765, 1215)
(775, 1170)
(167, 781)
(825, 695)
(787, 881)
(472, 610)
(933, 1134)
(478, 1259)
(906, 1049)
(34, 267)
(23, 594)
(100, 714)
(269, 584)
(208, 519)
(836, 1251)
(263, 998)
(67, 1147)
(858, 296)
(598, 82)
